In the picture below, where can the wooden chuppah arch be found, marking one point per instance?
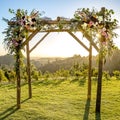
(23, 28)
(75, 37)
(28, 51)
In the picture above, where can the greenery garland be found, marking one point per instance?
(98, 24)
(17, 31)
(19, 27)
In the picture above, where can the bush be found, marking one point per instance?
(106, 75)
(2, 76)
(116, 73)
(35, 75)
(95, 72)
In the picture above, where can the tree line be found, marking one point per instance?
(76, 66)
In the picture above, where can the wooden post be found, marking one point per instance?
(99, 82)
(29, 71)
(89, 72)
(100, 68)
(18, 78)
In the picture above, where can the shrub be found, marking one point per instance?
(116, 73)
(2, 76)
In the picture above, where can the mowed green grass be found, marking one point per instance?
(60, 100)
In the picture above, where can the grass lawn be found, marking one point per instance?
(60, 100)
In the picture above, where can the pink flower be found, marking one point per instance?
(104, 33)
(91, 23)
(22, 22)
(104, 43)
(15, 43)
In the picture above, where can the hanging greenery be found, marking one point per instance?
(19, 27)
(100, 25)
(97, 24)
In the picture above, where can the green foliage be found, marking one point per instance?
(94, 72)
(99, 25)
(2, 76)
(35, 75)
(106, 75)
(25, 76)
(17, 31)
(47, 74)
(95, 21)
(116, 73)
(62, 73)
(18, 28)
(10, 75)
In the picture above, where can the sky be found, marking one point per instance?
(56, 44)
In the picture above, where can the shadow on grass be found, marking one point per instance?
(25, 100)
(81, 80)
(8, 112)
(11, 110)
(46, 82)
(97, 116)
(11, 85)
(87, 109)
(86, 112)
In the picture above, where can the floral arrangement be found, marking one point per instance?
(19, 27)
(100, 22)
(18, 30)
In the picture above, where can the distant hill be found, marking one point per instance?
(7, 60)
(37, 61)
(67, 63)
(53, 64)
(113, 62)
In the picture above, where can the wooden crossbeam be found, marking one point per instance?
(51, 22)
(55, 30)
(78, 40)
(39, 42)
(30, 37)
(89, 38)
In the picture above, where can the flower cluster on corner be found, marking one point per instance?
(23, 24)
(96, 20)
(28, 22)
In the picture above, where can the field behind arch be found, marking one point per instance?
(60, 99)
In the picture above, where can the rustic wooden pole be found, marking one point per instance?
(18, 78)
(29, 71)
(79, 41)
(89, 72)
(100, 68)
(39, 42)
(99, 82)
